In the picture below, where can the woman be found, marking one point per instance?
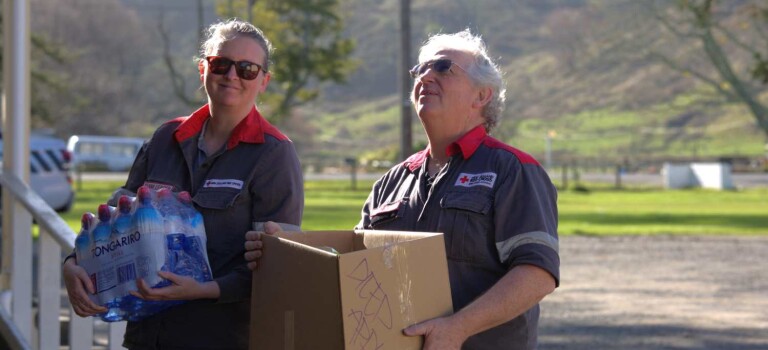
(241, 172)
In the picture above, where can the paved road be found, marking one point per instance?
(659, 292)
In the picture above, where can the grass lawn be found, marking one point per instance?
(656, 211)
(333, 205)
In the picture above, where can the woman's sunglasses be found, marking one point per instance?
(440, 66)
(245, 70)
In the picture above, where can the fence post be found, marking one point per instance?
(79, 171)
(576, 175)
(564, 175)
(352, 162)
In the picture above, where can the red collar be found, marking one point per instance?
(250, 130)
(466, 144)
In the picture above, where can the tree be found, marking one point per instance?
(760, 68)
(711, 28)
(113, 79)
(42, 79)
(178, 79)
(309, 48)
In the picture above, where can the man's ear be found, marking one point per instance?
(484, 96)
(201, 68)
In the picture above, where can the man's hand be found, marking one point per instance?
(182, 288)
(254, 245)
(439, 334)
(79, 285)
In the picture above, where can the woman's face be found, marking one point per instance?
(229, 90)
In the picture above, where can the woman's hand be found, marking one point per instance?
(182, 288)
(79, 286)
(254, 245)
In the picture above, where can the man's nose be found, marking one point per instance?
(427, 75)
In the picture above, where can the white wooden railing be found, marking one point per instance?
(17, 326)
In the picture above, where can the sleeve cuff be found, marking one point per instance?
(234, 287)
(545, 258)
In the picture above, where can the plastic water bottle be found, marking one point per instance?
(106, 280)
(103, 228)
(84, 249)
(164, 200)
(178, 260)
(169, 208)
(83, 240)
(192, 216)
(124, 269)
(149, 224)
(196, 244)
(194, 250)
(122, 222)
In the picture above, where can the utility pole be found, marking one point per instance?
(406, 138)
(548, 150)
(200, 24)
(250, 10)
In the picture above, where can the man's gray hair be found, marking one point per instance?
(220, 32)
(483, 71)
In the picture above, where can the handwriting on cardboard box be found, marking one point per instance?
(371, 309)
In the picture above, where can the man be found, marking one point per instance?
(494, 203)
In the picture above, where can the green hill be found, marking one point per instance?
(579, 69)
(583, 70)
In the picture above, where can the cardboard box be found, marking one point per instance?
(305, 297)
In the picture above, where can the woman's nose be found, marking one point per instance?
(231, 73)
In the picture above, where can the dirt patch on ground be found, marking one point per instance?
(659, 292)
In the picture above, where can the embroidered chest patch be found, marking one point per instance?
(472, 180)
(159, 185)
(231, 183)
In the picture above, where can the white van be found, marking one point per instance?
(49, 164)
(109, 153)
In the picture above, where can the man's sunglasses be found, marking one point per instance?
(440, 66)
(245, 70)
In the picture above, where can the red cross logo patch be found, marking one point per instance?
(471, 180)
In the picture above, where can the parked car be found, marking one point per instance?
(110, 153)
(49, 176)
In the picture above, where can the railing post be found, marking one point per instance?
(21, 267)
(116, 332)
(49, 290)
(15, 112)
(80, 331)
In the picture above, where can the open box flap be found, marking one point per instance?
(381, 238)
(342, 241)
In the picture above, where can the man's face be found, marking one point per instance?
(230, 90)
(444, 94)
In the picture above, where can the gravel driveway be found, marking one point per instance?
(659, 292)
